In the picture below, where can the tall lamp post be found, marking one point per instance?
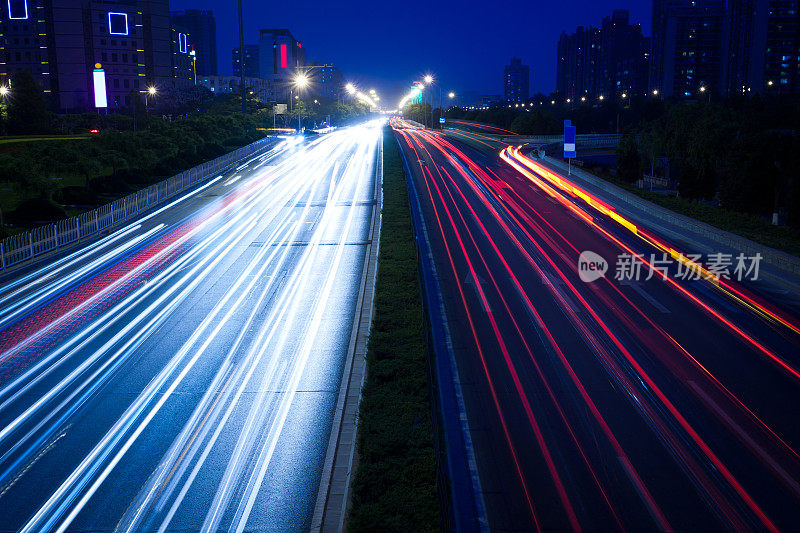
(429, 80)
(300, 82)
(241, 61)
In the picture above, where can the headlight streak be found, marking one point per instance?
(262, 205)
(30, 302)
(642, 379)
(75, 310)
(114, 436)
(248, 365)
(303, 280)
(48, 271)
(116, 314)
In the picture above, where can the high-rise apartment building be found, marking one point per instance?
(611, 60)
(280, 58)
(689, 46)
(326, 80)
(516, 81)
(90, 54)
(202, 29)
(623, 56)
(578, 67)
(252, 63)
(763, 46)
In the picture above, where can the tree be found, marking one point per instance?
(27, 113)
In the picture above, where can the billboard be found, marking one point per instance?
(99, 79)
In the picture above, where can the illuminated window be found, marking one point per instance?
(118, 23)
(18, 9)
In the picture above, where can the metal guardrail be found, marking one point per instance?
(776, 258)
(21, 247)
(589, 139)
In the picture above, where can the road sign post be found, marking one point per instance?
(569, 144)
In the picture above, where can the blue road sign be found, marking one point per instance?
(569, 140)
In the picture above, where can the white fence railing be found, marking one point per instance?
(28, 245)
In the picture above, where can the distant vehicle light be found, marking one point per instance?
(95, 130)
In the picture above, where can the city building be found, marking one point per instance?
(280, 58)
(252, 64)
(202, 29)
(624, 55)
(183, 58)
(782, 58)
(259, 87)
(325, 80)
(92, 54)
(764, 45)
(516, 81)
(489, 100)
(578, 64)
(688, 48)
(610, 60)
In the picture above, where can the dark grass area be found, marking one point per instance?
(394, 488)
(755, 228)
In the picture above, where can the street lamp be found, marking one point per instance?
(151, 91)
(602, 97)
(430, 80)
(655, 92)
(300, 82)
(4, 90)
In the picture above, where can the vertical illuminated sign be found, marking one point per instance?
(182, 43)
(283, 56)
(17, 9)
(99, 78)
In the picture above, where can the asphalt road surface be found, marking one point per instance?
(181, 373)
(613, 404)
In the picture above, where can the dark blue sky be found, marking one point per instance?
(385, 45)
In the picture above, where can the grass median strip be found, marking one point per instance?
(394, 488)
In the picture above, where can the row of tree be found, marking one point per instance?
(23, 111)
(133, 148)
(114, 163)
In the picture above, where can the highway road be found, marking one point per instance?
(181, 373)
(612, 404)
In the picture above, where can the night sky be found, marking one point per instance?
(385, 46)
